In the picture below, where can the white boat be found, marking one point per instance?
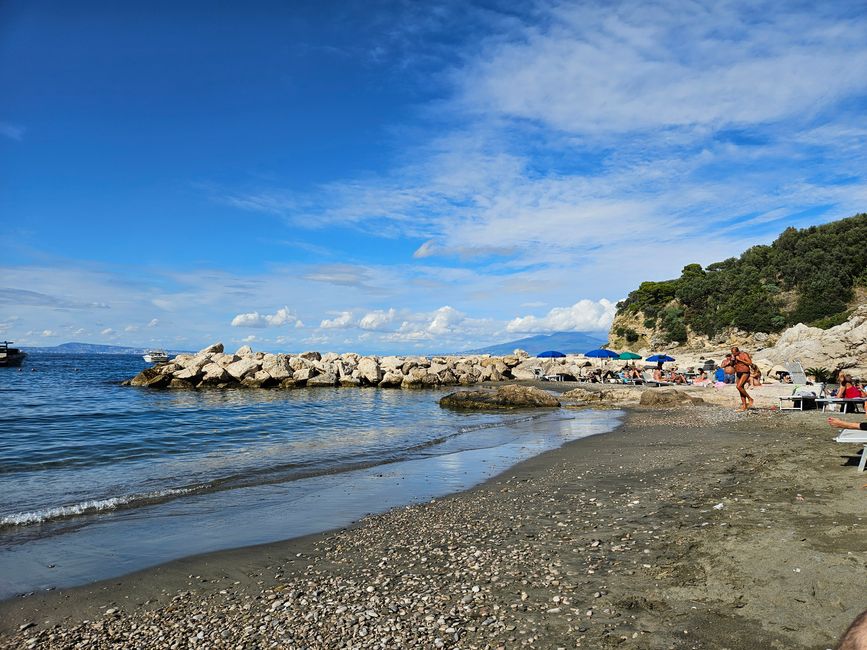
(156, 356)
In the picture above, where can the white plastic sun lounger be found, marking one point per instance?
(796, 372)
(650, 381)
(853, 436)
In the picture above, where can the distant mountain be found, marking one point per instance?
(565, 342)
(89, 348)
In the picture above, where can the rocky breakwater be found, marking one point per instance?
(215, 368)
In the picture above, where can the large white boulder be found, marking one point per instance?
(369, 370)
(242, 368)
(842, 346)
(277, 365)
(212, 349)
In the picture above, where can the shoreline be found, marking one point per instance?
(607, 539)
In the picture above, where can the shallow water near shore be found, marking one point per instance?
(98, 480)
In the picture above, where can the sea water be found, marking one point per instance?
(98, 479)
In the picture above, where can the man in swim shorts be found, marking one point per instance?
(740, 362)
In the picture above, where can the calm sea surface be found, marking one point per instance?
(97, 480)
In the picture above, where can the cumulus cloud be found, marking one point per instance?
(377, 320)
(107, 331)
(342, 321)
(130, 328)
(583, 316)
(445, 320)
(153, 322)
(282, 316)
(47, 333)
(249, 339)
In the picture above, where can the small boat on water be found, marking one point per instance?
(156, 356)
(10, 356)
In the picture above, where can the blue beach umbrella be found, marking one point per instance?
(660, 358)
(602, 354)
(550, 354)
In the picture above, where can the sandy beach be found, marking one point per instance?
(694, 527)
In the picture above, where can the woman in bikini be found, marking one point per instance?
(740, 362)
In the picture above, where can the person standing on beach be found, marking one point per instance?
(740, 363)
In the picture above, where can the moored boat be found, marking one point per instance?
(156, 356)
(10, 356)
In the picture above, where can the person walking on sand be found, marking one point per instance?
(740, 363)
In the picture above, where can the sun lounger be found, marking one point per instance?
(801, 395)
(844, 401)
(796, 372)
(650, 381)
(853, 436)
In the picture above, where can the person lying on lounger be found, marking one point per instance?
(837, 423)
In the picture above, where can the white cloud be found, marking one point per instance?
(632, 65)
(584, 315)
(282, 316)
(249, 339)
(107, 331)
(154, 322)
(445, 320)
(377, 320)
(342, 321)
(47, 333)
(130, 328)
(12, 131)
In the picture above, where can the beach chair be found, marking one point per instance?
(650, 381)
(799, 397)
(853, 436)
(538, 373)
(629, 382)
(796, 372)
(845, 403)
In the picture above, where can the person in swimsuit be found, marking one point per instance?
(740, 363)
(755, 375)
(837, 423)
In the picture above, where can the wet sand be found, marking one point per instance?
(688, 528)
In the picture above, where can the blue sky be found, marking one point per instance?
(400, 176)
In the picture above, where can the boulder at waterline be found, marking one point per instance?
(667, 397)
(505, 397)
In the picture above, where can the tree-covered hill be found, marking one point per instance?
(809, 276)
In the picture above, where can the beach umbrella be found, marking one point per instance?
(550, 354)
(629, 356)
(602, 354)
(660, 358)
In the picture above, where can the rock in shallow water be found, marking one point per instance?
(511, 396)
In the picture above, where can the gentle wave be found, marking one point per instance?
(89, 507)
(263, 476)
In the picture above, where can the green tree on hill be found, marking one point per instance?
(804, 276)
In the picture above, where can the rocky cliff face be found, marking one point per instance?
(837, 348)
(629, 332)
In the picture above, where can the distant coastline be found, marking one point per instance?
(90, 348)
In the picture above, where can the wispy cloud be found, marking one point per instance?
(12, 131)
(36, 299)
